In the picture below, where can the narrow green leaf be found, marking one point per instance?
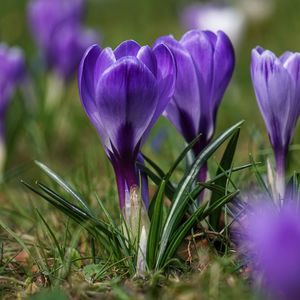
(199, 188)
(213, 187)
(169, 189)
(155, 226)
(64, 185)
(155, 167)
(52, 236)
(226, 163)
(181, 157)
(259, 177)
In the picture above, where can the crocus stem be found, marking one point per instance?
(55, 90)
(139, 225)
(280, 174)
(202, 176)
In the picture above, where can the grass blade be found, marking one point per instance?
(64, 185)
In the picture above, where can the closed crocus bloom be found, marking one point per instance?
(45, 15)
(271, 244)
(205, 63)
(276, 82)
(12, 70)
(68, 45)
(123, 93)
(56, 26)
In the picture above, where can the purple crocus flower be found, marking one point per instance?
(12, 70)
(123, 93)
(205, 63)
(276, 82)
(57, 28)
(272, 244)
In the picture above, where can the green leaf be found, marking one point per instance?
(226, 163)
(181, 157)
(259, 177)
(155, 226)
(293, 187)
(182, 194)
(169, 189)
(64, 185)
(200, 186)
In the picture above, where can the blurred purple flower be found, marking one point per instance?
(12, 71)
(158, 139)
(123, 93)
(56, 26)
(205, 63)
(276, 83)
(273, 248)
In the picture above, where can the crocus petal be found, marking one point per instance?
(213, 56)
(86, 83)
(202, 51)
(167, 71)
(186, 95)
(284, 57)
(166, 82)
(224, 62)
(86, 80)
(104, 61)
(292, 65)
(127, 48)
(126, 97)
(274, 90)
(146, 55)
(181, 120)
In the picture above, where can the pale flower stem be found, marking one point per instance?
(141, 265)
(127, 207)
(280, 176)
(55, 88)
(139, 226)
